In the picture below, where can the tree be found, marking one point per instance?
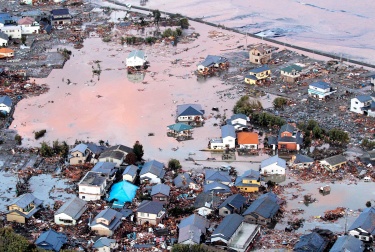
(368, 204)
(156, 14)
(46, 150)
(10, 241)
(39, 134)
(56, 147)
(246, 106)
(184, 23)
(138, 150)
(174, 164)
(64, 149)
(317, 132)
(130, 158)
(18, 139)
(339, 136)
(188, 248)
(279, 102)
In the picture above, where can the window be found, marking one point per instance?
(83, 197)
(226, 212)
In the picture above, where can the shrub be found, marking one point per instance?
(40, 134)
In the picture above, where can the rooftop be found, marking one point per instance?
(152, 207)
(93, 179)
(228, 226)
(247, 138)
(160, 188)
(273, 160)
(320, 84)
(74, 208)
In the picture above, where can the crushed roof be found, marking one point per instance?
(303, 159)
(107, 168)
(24, 200)
(160, 188)
(228, 226)
(74, 208)
(93, 179)
(212, 60)
(203, 198)
(335, 160)
(183, 180)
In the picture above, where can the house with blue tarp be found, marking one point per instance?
(122, 192)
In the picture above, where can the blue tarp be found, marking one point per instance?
(122, 192)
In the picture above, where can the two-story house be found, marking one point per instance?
(130, 173)
(79, 154)
(60, 17)
(233, 204)
(263, 210)
(227, 140)
(239, 121)
(363, 104)
(92, 186)
(291, 73)
(152, 172)
(23, 207)
(289, 138)
(260, 54)
(115, 154)
(211, 63)
(13, 31)
(248, 182)
(273, 166)
(248, 140)
(190, 113)
(4, 39)
(191, 229)
(151, 212)
(28, 26)
(160, 193)
(257, 75)
(106, 222)
(70, 212)
(320, 90)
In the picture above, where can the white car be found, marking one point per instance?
(59, 27)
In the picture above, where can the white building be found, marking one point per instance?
(227, 140)
(136, 59)
(3, 39)
(70, 212)
(363, 104)
(363, 227)
(152, 171)
(92, 186)
(190, 113)
(28, 26)
(273, 165)
(130, 173)
(239, 121)
(320, 89)
(13, 31)
(5, 104)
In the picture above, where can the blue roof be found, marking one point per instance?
(228, 226)
(103, 242)
(178, 127)
(260, 69)
(364, 98)
(58, 12)
(80, 147)
(189, 110)
(228, 130)
(154, 167)
(238, 116)
(122, 192)
(182, 180)
(320, 84)
(136, 54)
(266, 206)
(234, 201)
(218, 176)
(148, 206)
(51, 240)
(160, 188)
(6, 100)
(310, 242)
(347, 243)
(365, 221)
(216, 187)
(108, 168)
(252, 77)
(288, 128)
(212, 60)
(275, 159)
(131, 170)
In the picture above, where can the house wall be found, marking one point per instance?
(153, 177)
(361, 234)
(223, 211)
(101, 230)
(287, 146)
(239, 121)
(12, 31)
(15, 217)
(218, 239)
(59, 220)
(260, 220)
(258, 58)
(262, 75)
(104, 249)
(160, 197)
(134, 62)
(230, 141)
(189, 118)
(30, 29)
(273, 169)
(144, 217)
(356, 105)
(77, 158)
(217, 145)
(3, 42)
(249, 146)
(118, 162)
(250, 81)
(203, 211)
(127, 177)
(4, 107)
(248, 188)
(88, 193)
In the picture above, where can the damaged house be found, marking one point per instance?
(106, 222)
(263, 210)
(23, 207)
(70, 212)
(192, 229)
(260, 54)
(258, 75)
(363, 104)
(211, 64)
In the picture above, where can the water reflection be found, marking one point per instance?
(136, 77)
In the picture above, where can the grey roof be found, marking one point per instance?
(365, 221)
(51, 240)
(160, 188)
(96, 149)
(216, 187)
(74, 208)
(238, 116)
(195, 220)
(335, 160)
(219, 176)
(364, 98)
(107, 168)
(288, 128)
(260, 69)
(190, 110)
(228, 130)
(183, 180)
(131, 170)
(153, 167)
(266, 206)
(228, 226)
(234, 201)
(152, 207)
(272, 140)
(110, 215)
(103, 242)
(4, 36)
(24, 200)
(212, 60)
(93, 179)
(136, 54)
(80, 148)
(117, 152)
(303, 159)
(189, 232)
(275, 159)
(63, 11)
(6, 100)
(347, 243)
(311, 242)
(203, 198)
(320, 84)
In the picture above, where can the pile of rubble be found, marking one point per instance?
(333, 215)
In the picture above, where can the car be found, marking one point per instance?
(59, 27)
